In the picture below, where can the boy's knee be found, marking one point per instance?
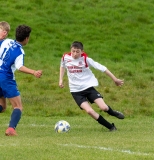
(90, 111)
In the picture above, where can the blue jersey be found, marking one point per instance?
(1, 42)
(11, 58)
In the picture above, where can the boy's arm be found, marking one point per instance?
(102, 68)
(61, 75)
(117, 81)
(37, 73)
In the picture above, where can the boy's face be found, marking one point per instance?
(3, 34)
(76, 52)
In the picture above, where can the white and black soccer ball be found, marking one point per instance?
(62, 126)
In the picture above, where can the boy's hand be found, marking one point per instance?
(119, 82)
(61, 84)
(38, 73)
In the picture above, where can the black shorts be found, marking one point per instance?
(89, 94)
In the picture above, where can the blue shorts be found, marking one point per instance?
(8, 88)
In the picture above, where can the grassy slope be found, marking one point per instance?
(118, 34)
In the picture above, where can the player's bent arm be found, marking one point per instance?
(61, 75)
(37, 73)
(117, 81)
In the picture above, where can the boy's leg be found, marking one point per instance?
(96, 116)
(100, 102)
(105, 123)
(2, 104)
(15, 118)
(115, 113)
(16, 115)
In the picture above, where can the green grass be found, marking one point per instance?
(118, 34)
(86, 139)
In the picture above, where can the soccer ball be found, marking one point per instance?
(62, 126)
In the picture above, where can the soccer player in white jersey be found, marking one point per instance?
(12, 58)
(82, 82)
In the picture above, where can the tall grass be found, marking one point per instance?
(118, 34)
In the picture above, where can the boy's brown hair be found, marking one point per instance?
(77, 44)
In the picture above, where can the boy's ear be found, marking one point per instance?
(5, 33)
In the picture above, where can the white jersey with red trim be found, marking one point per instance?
(78, 71)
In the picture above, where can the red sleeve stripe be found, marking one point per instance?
(65, 54)
(85, 57)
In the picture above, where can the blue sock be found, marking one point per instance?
(15, 118)
(1, 108)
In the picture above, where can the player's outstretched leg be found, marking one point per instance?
(105, 123)
(115, 113)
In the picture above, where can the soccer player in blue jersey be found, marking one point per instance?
(12, 58)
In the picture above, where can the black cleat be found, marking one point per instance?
(119, 115)
(113, 128)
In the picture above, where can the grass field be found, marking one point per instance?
(118, 34)
(86, 140)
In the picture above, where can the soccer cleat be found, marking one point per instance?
(113, 128)
(10, 132)
(119, 115)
